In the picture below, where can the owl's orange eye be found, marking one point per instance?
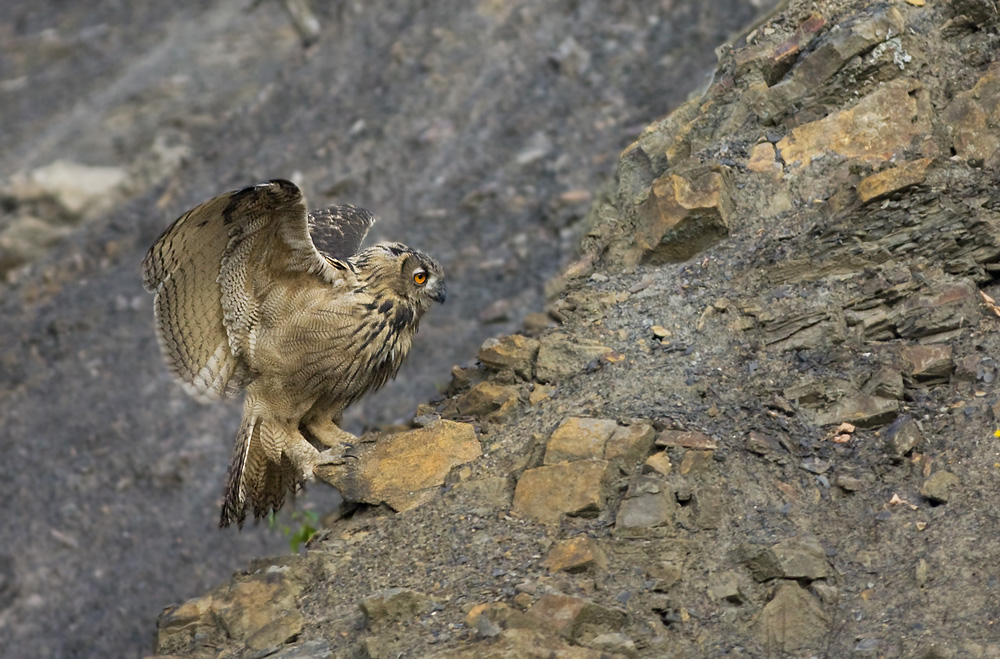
(419, 277)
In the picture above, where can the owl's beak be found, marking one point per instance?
(439, 294)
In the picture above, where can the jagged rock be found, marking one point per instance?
(937, 489)
(835, 49)
(575, 618)
(929, 363)
(490, 618)
(686, 439)
(237, 609)
(708, 508)
(577, 554)
(520, 644)
(885, 383)
(793, 620)
(902, 437)
(665, 574)
(394, 605)
(405, 469)
(572, 488)
(579, 439)
(489, 400)
(307, 650)
(658, 463)
(971, 119)
(515, 352)
(880, 126)
(276, 632)
(763, 160)
(726, 586)
(647, 510)
(861, 410)
(947, 306)
(894, 179)
(629, 444)
(684, 213)
(795, 558)
(801, 558)
(560, 356)
(695, 462)
(772, 61)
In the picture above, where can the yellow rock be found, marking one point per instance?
(885, 182)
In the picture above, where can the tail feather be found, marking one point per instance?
(257, 480)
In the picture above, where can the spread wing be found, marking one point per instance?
(209, 267)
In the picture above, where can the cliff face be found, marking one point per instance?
(761, 418)
(480, 132)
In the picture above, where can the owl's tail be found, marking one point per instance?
(260, 474)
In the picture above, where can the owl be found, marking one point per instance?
(255, 294)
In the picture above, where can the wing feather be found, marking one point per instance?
(210, 269)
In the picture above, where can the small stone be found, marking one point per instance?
(762, 444)
(660, 332)
(576, 618)
(648, 504)
(540, 394)
(849, 483)
(579, 439)
(394, 605)
(665, 574)
(515, 352)
(579, 554)
(937, 489)
(491, 618)
(485, 398)
(885, 383)
(658, 463)
(921, 573)
(801, 558)
(762, 159)
(902, 437)
(891, 180)
(571, 488)
(307, 650)
(686, 439)
(929, 363)
(794, 620)
(695, 462)
(560, 357)
(523, 601)
(708, 508)
(629, 444)
(861, 410)
(825, 592)
(726, 586)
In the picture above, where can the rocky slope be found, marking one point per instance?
(760, 418)
(479, 131)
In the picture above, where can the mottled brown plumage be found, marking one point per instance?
(252, 292)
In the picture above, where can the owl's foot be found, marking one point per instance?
(336, 456)
(327, 434)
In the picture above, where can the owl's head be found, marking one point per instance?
(410, 274)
